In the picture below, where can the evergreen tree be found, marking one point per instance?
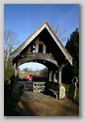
(72, 46)
(44, 72)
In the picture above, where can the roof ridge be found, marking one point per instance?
(44, 25)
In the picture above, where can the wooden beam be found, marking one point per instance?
(60, 75)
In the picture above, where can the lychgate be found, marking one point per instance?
(44, 47)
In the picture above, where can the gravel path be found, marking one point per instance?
(29, 96)
(39, 104)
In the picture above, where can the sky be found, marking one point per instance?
(24, 19)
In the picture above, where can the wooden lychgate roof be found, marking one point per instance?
(45, 30)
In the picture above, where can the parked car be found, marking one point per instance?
(34, 78)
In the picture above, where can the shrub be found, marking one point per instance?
(44, 72)
(8, 71)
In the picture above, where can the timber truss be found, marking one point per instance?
(44, 47)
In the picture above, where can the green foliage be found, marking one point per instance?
(8, 70)
(22, 75)
(76, 100)
(72, 46)
(26, 70)
(44, 72)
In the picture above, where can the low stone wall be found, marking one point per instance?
(38, 86)
(35, 86)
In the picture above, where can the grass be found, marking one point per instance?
(76, 100)
(22, 75)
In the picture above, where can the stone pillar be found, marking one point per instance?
(15, 91)
(61, 91)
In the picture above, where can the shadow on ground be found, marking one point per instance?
(38, 104)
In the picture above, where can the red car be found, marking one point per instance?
(34, 78)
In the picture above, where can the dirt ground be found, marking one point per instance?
(40, 104)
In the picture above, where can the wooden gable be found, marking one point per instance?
(46, 35)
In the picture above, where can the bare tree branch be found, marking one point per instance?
(10, 42)
(60, 33)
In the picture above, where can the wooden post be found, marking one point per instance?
(60, 75)
(29, 49)
(44, 49)
(37, 45)
(15, 92)
(61, 87)
(53, 76)
(48, 74)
